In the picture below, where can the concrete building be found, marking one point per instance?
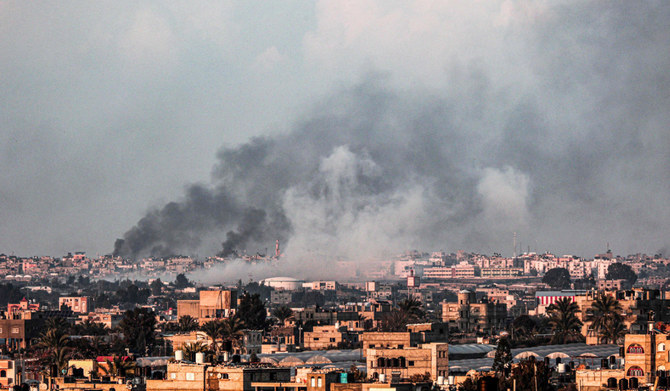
(212, 304)
(187, 376)
(78, 304)
(470, 315)
(328, 337)
(403, 363)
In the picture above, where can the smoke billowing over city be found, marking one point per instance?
(449, 127)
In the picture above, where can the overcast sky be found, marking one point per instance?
(438, 125)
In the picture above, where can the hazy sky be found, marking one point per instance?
(384, 126)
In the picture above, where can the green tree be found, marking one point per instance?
(156, 287)
(139, 329)
(252, 311)
(396, 320)
(214, 330)
(412, 307)
(620, 271)
(181, 281)
(191, 348)
(503, 357)
(524, 328)
(118, 366)
(232, 331)
(187, 323)
(56, 343)
(557, 278)
(606, 317)
(531, 375)
(564, 322)
(282, 313)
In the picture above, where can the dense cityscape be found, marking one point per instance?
(422, 320)
(335, 195)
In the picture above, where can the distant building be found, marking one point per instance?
(78, 304)
(212, 304)
(469, 315)
(403, 363)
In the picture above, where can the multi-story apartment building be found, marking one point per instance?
(470, 315)
(79, 304)
(212, 304)
(403, 363)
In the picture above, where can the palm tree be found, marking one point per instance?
(614, 331)
(396, 320)
(564, 321)
(232, 330)
(190, 349)
(56, 342)
(214, 330)
(412, 307)
(605, 317)
(282, 313)
(118, 367)
(187, 323)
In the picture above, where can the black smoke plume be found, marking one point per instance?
(576, 158)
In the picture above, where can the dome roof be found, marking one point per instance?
(282, 279)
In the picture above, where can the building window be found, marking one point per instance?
(3, 373)
(635, 348)
(661, 347)
(312, 382)
(15, 330)
(190, 376)
(318, 382)
(410, 363)
(635, 371)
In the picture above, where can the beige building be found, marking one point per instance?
(212, 304)
(328, 337)
(431, 358)
(79, 304)
(470, 316)
(185, 377)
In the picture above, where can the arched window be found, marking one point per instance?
(635, 348)
(380, 362)
(3, 373)
(635, 371)
(396, 363)
(661, 368)
(661, 347)
(402, 362)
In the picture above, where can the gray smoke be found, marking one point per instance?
(574, 159)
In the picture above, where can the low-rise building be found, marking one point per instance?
(431, 358)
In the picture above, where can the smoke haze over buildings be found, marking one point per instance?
(445, 126)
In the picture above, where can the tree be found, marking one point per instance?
(156, 287)
(503, 357)
(56, 343)
(524, 328)
(187, 323)
(564, 322)
(620, 271)
(557, 278)
(531, 375)
(181, 281)
(396, 320)
(139, 329)
(412, 307)
(191, 348)
(252, 311)
(232, 330)
(118, 366)
(282, 313)
(214, 330)
(606, 318)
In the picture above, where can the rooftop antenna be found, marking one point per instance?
(514, 252)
